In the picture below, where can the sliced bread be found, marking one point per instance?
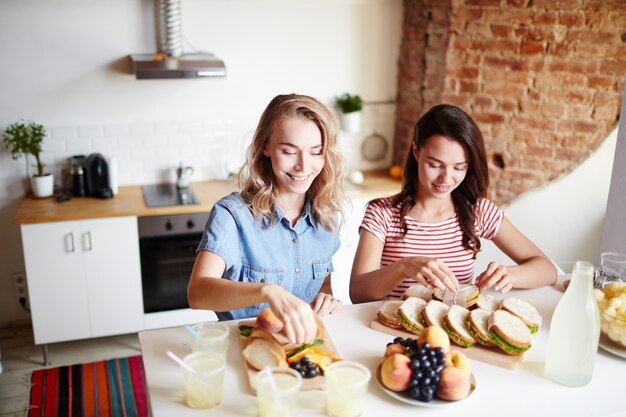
(419, 291)
(488, 302)
(454, 323)
(388, 314)
(434, 312)
(524, 310)
(508, 332)
(409, 314)
(260, 353)
(478, 326)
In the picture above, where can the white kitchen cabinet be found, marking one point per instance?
(84, 278)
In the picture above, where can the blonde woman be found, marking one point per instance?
(271, 243)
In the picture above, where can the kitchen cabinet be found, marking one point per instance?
(84, 278)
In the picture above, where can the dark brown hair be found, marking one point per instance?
(453, 123)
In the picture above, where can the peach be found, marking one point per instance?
(395, 372)
(454, 384)
(435, 336)
(393, 349)
(455, 359)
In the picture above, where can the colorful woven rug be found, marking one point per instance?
(111, 388)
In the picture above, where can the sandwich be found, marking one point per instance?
(478, 326)
(432, 314)
(388, 314)
(466, 296)
(524, 310)
(409, 314)
(488, 302)
(508, 332)
(419, 291)
(454, 323)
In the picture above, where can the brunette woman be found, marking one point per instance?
(430, 232)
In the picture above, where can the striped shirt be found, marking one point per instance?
(441, 240)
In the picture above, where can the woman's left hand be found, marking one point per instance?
(325, 304)
(496, 276)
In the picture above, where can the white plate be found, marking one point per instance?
(436, 402)
(610, 346)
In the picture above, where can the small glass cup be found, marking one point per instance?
(612, 268)
(203, 386)
(213, 338)
(277, 392)
(346, 386)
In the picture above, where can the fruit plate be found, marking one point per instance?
(404, 397)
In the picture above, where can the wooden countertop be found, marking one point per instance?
(129, 201)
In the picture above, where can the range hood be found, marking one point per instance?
(170, 62)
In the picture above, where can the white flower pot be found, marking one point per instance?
(42, 186)
(351, 122)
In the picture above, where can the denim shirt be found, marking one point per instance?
(297, 258)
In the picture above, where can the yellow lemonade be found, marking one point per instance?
(277, 392)
(214, 339)
(346, 388)
(204, 386)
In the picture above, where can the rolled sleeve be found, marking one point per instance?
(221, 236)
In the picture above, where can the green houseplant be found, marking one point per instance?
(23, 139)
(350, 107)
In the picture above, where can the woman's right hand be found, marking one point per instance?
(430, 272)
(299, 323)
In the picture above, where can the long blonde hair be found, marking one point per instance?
(256, 178)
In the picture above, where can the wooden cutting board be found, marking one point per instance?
(307, 383)
(491, 356)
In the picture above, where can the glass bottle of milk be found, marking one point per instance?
(574, 331)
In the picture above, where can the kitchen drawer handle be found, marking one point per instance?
(69, 242)
(87, 241)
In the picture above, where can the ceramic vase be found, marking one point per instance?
(42, 186)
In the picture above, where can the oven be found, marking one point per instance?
(167, 246)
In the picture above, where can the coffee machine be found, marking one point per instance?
(97, 177)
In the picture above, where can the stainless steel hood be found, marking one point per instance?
(155, 66)
(170, 61)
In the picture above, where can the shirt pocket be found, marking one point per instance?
(262, 276)
(321, 269)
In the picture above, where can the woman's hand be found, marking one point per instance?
(296, 315)
(325, 304)
(496, 276)
(430, 272)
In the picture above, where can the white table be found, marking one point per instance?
(499, 392)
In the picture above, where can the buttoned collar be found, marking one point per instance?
(307, 214)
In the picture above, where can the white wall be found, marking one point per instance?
(614, 234)
(65, 65)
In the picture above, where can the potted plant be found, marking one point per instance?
(24, 139)
(350, 107)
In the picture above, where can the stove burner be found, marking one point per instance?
(161, 195)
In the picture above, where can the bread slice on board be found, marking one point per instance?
(524, 310)
(456, 327)
(388, 314)
(478, 326)
(409, 313)
(509, 332)
(260, 353)
(434, 312)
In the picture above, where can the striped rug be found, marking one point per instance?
(111, 388)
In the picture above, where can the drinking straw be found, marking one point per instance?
(193, 332)
(179, 361)
(273, 386)
(328, 374)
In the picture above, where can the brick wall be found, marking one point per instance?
(542, 78)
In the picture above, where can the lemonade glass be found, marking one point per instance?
(277, 392)
(346, 386)
(213, 338)
(203, 386)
